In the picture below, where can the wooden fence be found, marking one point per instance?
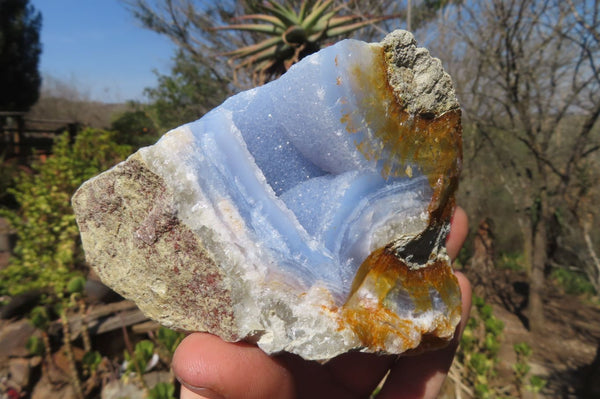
(22, 137)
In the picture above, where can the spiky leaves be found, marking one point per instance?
(293, 33)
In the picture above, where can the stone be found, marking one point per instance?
(131, 389)
(308, 215)
(117, 389)
(14, 336)
(19, 371)
(46, 388)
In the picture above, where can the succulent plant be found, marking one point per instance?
(294, 31)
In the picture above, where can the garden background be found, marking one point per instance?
(528, 79)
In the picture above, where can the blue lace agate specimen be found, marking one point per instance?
(308, 215)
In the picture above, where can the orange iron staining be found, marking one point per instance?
(397, 286)
(388, 298)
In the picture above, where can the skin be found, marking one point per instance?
(208, 367)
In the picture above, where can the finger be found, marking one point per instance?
(364, 375)
(422, 376)
(459, 229)
(213, 368)
(360, 372)
(187, 394)
(314, 380)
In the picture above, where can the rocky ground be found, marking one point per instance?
(566, 353)
(113, 327)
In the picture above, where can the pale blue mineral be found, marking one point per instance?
(253, 222)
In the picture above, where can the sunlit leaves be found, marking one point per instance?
(47, 254)
(293, 32)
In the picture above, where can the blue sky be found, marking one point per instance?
(101, 48)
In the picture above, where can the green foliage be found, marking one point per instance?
(522, 349)
(169, 339)
(35, 346)
(519, 137)
(482, 391)
(8, 171)
(512, 261)
(138, 361)
(293, 31)
(39, 318)
(47, 254)
(494, 326)
(190, 91)
(491, 344)
(463, 257)
(536, 384)
(142, 354)
(137, 364)
(162, 390)
(135, 128)
(76, 285)
(485, 310)
(480, 345)
(481, 364)
(376, 391)
(91, 360)
(20, 48)
(521, 370)
(572, 282)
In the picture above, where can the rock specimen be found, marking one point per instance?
(308, 215)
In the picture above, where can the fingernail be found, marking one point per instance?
(204, 392)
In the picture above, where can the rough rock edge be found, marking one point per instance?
(153, 231)
(151, 242)
(418, 79)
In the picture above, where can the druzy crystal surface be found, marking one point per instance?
(308, 215)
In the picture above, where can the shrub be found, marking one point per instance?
(480, 345)
(140, 359)
(135, 128)
(572, 282)
(48, 254)
(8, 170)
(478, 361)
(512, 261)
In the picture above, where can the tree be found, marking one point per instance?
(293, 31)
(587, 37)
(20, 50)
(191, 24)
(532, 99)
(134, 127)
(190, 91)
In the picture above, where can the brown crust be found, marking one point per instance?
(431, 142)
(374, 320)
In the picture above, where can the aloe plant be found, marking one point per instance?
(293, 32)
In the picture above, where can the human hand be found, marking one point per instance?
(209, 367)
